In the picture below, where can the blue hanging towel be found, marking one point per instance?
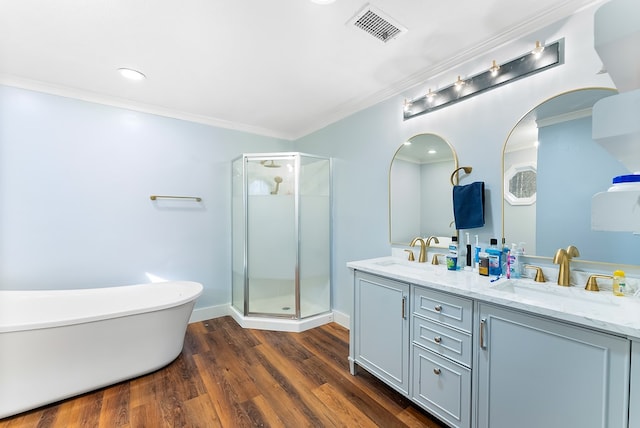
(468, 205)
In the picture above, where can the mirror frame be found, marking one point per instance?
(456, 178)
(504, 146)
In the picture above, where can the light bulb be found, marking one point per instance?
(538, 49)
(494, 68)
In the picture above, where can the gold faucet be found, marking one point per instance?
(563, 258)
(432, 238)
(423, 249)
(411, 257)
(539, 274)
(592, 284)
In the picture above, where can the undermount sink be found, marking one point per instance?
(406, 265)
(542, 292)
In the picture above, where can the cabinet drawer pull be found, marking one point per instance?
(436, 371)
(404, 310)
(437, 339)
(438, 308)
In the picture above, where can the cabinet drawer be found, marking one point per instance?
(442, 387)
(443, 340)
(444, 308)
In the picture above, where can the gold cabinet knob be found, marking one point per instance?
(436, 371)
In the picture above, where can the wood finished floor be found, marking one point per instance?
(230, 377)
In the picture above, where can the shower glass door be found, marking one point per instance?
(272, 241)
(314, 235)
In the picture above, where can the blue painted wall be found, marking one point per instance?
(571, 169)
(75, 181)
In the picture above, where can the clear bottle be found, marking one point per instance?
(515, 255)
(619, 283)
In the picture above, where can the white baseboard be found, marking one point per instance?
(341, 318)
(210, 312)
(265, 323)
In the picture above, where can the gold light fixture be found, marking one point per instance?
(494, 68)
(407, 105)
(459, 83)
(538, 49)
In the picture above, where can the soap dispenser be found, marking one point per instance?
(515, 261)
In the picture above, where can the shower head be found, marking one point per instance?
(269, 164)
(278, 180)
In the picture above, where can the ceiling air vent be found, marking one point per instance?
(376, 23)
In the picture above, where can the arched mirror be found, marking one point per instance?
(420, 202)
(551, 169)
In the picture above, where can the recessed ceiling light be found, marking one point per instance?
(131, 74)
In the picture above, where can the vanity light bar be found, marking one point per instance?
(523, 66)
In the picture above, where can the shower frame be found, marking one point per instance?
(246, 286)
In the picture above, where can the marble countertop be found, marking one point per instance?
(600, 310)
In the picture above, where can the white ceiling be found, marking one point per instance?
(282, 68)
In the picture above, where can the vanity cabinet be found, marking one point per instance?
(441, 354)
(536, 372)
(475, 362)
(380, 329)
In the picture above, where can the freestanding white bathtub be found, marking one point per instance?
(61, 343)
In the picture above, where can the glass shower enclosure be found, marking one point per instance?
(281, 235)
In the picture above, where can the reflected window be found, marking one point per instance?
(520, 184)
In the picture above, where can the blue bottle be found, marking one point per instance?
(495, 258)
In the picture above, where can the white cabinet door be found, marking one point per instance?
(535, 372)
(380, 336)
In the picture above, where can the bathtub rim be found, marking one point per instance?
(195, 290)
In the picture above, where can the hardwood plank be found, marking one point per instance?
(287, 406)
(87, 409)
(411, 417)
(295, 382)
(200, 413)
(48, 417)
(64, 416)
(343, 411)
(115, 406)
(224, 402)
(269, 415)
(195, 342)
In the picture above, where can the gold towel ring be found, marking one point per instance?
(467, 170)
